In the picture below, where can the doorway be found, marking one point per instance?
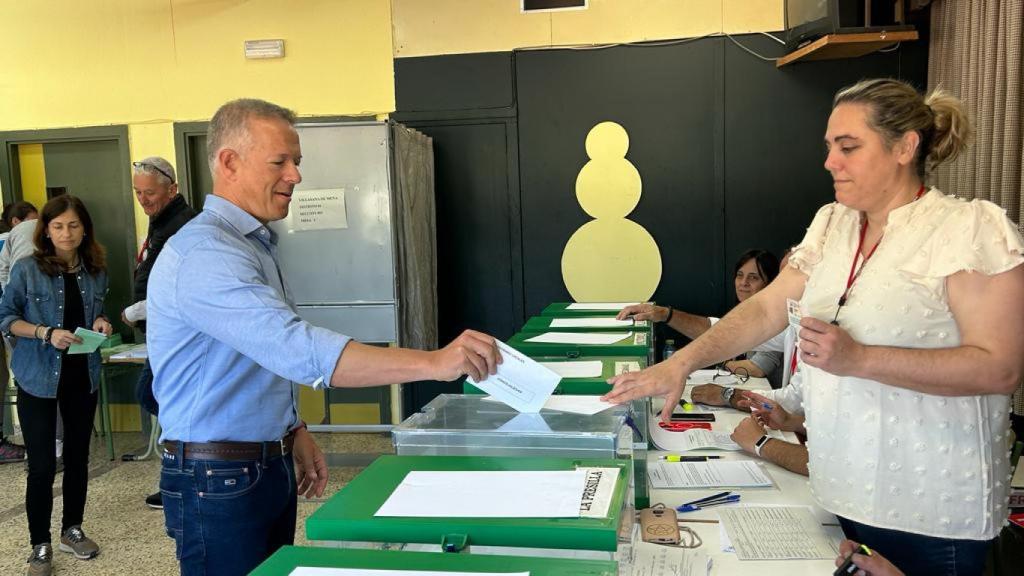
(94, 165)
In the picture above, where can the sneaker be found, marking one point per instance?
(11, 452)
(40, 563)
(75, 541)
(155, 501)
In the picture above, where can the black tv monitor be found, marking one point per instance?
(807, 20)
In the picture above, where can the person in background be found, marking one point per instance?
(50, 295)
(754, 270)
(156, 190)
(912, 341)
(13, 215)
(21, 218)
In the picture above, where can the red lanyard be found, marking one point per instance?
(854, 270)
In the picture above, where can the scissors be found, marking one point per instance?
(684, 426)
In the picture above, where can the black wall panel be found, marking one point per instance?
(665, 98)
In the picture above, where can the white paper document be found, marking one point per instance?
(589, 323)
(317, 210)
(713, 474)
(700, 439)
(487, 494)
(520, 381)
(133, 353)
(599, 305)
(598, 491)
(588, 405)
(701, 377)
(651, 559)
(305, 571)
(776, 533)
(575, 368)
(580, 337)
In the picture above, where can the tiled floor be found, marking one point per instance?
(131, 535)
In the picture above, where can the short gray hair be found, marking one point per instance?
(156, 166)
(230, 125)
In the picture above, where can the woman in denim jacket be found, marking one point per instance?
(50, 295)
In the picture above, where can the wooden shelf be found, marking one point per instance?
(846, 46)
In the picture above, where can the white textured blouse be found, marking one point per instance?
(887, 456)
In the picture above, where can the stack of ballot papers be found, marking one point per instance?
(600, 305)
(711, 474)
(589, 323)
(774, 533)
(592, 338)
(303, 571)
(583, 492)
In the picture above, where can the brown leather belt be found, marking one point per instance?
(232, 450)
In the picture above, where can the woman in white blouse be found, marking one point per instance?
(912, 343)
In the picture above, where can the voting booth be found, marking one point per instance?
(288, 559)
(386, 506)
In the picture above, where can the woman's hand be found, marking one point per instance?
(874, 565)
(645, 311)
(767, 412)
(829, 347)
(747, 433)
(666, 378)
(61, 339)
(103, 325)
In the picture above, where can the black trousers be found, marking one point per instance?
(39, 427)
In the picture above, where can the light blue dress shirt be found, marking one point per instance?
(224, 339)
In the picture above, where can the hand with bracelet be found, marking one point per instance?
(60, 338)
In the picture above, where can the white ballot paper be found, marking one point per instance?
(651, 559)
(525, 422)
(599, 305)
(487, 494)
(304, 571)
(589, 323)
(588, 405)
(575, 368)
(776, 533)
(699, 439)
(701, 377)
(580, 337)
(520, 381)
(713, 474)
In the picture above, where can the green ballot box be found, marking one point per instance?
(349, 516)
(288, 558)
(567, 309)
(583, 344)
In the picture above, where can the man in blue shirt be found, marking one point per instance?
(225, 344)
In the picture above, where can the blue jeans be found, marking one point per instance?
(915, 554)
(226, 517)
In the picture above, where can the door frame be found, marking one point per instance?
(10, 170)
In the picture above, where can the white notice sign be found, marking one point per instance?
(317, 210)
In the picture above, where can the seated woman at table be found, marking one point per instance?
(58, 290)
(754, 270)
(912, 342)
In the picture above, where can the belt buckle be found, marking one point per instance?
(284, 450)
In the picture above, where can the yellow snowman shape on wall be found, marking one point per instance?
(610, 258)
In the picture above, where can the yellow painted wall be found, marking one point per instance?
(149, 63)
(427, 27)
(33, 174)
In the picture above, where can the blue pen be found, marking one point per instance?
(695, 507)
